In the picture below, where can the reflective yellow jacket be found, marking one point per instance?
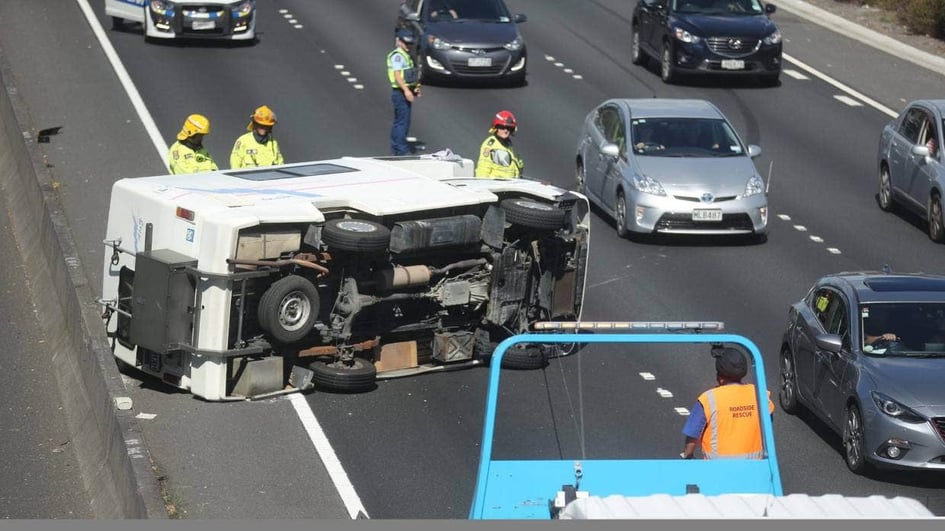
(497, 161)
(248, 153)
(182, 159)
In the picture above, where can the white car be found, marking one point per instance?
(193, 19)
(331, 274)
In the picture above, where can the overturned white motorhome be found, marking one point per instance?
(242, 283)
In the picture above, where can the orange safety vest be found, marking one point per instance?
(733, 429)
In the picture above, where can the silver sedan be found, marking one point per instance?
(911, 173)
(670, 166)
(863, 351)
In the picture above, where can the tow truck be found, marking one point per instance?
(579, 485)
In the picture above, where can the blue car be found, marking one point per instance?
(723, 37)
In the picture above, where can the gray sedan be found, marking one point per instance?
(910, 163)
(865, 351)
(670, 166)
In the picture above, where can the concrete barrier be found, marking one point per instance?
(115, 463)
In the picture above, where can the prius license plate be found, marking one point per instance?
(706, 214)
(733, 64)
(480, 61)
(203, 25)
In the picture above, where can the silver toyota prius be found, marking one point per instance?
(670, 166)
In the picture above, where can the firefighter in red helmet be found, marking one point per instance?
(497, 159)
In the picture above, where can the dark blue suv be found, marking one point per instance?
(708, 37)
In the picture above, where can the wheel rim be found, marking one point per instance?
(666, 66)
(935, 219)
(787, 379)
(357, 226)
(853, 438)
(621, 208)
(885, 190)
(580, 178)
(294, 310)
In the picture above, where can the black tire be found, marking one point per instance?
(533, 214)
(787, 396)
(936, 224)
(853, 446)
(886, 201)
(288, 309)
(524, 357)
(332, 375)
(356, 235)
(581, 176)
(636, 53)
(620, 215)
(667, 70)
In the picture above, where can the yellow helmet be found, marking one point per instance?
(193, 125)
(262, 116)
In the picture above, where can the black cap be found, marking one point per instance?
(730, 363)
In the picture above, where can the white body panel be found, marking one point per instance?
(137, 11)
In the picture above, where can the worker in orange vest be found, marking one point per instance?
(725, 417)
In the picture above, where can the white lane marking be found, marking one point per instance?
(682, 411)
(647, 376)
(298, 26)
(801, 228)
(847, 99)
(817, 239)
(338, 475)
(664, 392)
(833, 250)
(287, 15)
(559, 64)
(866, 99)
(784, 217)
(578, 76)
(359, 86)
(283, 11)
(794, 73)
(549, 58)
(146, 120)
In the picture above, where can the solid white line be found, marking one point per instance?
(866, 99)
(847, 99)
(126, 82)
(338, 475)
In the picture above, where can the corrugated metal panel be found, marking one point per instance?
(741, 506)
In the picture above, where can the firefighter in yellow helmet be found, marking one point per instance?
(188, 155)
(257, 147)
(497, 159)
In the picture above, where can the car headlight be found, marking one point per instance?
(516, 44)
(648, 185)
(438, 43)
(774, 38)
(244, 9)
(895, 409)
(685, 36)
(754, 186)
(161, 7)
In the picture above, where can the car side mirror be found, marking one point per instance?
(611, 150)
(770, 8)
(829, 342)
(920, 150)
(519, 18)
(753, 150)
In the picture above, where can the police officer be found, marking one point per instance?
(188, 155)
(725, 418)
(257, 147)
(405, 88)
(497, 159)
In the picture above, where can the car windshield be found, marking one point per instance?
(718, 7)
(911, 329)
(460, 10)
(684, 137)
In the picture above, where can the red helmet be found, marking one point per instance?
(504, 118)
